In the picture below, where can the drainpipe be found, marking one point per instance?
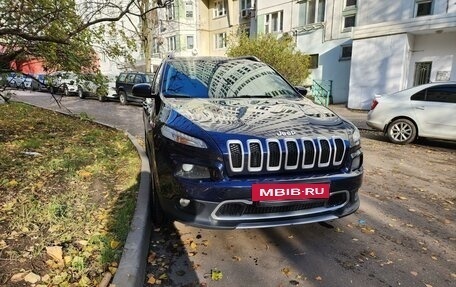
(228, 14)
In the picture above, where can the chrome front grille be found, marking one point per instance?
(288, 154)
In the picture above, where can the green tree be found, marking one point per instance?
(279, 53)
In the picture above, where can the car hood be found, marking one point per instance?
(260, 117)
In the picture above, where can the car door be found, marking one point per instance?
(435, 109)
(129, 82)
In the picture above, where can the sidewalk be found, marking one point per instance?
(357, 117)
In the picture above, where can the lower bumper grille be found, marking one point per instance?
(244, 209)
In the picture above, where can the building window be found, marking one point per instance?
(220, 41)
(422, 73)
(346, 53)
(170, 11)
(312, 11)
(219, 9)
(350, 3)
(423, 8)
(273, 22)
(190, 43)
(246, 5)
(155, 46)
(188, 10)
(313, 61)
(349, 21)
(171, 43)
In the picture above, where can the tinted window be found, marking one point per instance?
(420, 96)
(122, 77)
(443, 94)
(139, 79)
(221, 78)
(130, 78)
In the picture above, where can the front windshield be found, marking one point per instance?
(223, 78)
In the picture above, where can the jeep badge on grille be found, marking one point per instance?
(285, 133)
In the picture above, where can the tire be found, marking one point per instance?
(402, 131)
(80, 93)
(123, 98)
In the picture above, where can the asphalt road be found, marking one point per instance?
(404, 233)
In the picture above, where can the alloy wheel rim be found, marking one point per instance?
(401, 132)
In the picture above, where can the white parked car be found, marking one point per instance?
(427, 110)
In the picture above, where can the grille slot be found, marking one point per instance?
(236, 155)
(255, 155)
(292, 154)
(339, 151)
(309, 153)
(274, 155)
(325, 152)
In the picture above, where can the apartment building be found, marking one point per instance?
(358, 48)
(198, 27)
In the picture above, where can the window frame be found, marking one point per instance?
(268, 21)
(345, 58)
(193, 42)
(219, 11)
(171, 42)
(222, 39)
(189, 12)
(170, 11)
(314, 61)
(421, 2)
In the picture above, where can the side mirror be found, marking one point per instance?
(142, 90)
(301, 90)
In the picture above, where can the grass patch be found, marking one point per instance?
(66, 183)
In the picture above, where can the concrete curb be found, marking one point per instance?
(132, 267)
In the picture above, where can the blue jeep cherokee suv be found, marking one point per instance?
(233, 145)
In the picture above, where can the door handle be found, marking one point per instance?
(420, 108)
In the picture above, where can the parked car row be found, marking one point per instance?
(81, 85)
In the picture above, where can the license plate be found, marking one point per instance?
(289, 191)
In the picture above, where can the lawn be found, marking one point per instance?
(68, 191)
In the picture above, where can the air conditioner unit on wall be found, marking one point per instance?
(247, 13)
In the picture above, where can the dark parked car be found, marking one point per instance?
(125, 82)
(233, 145)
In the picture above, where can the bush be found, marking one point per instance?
(280, 53)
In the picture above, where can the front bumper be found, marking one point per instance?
(230, 205)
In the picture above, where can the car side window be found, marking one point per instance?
(138, 79)
(122, 77)
(130, 78)
(420, 96)
(442, 94)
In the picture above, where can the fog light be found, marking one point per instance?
(187, 167)
(192, 171)
(184, 202)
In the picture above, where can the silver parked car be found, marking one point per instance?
(427, 110)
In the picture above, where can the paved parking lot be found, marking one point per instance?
(403, 234)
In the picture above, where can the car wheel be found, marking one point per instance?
(123, 98)
(401, 131)
(80, 93)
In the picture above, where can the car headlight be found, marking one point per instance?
(182, 138)
(354, 137)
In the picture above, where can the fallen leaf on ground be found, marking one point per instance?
(286, 271)
(151, 279)
(318, 278)
(32, 278)
(18, 277)
(56, 253)
(192, 245)
(414, 273)
(216, 274)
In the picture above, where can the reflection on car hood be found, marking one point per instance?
(259, 117)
